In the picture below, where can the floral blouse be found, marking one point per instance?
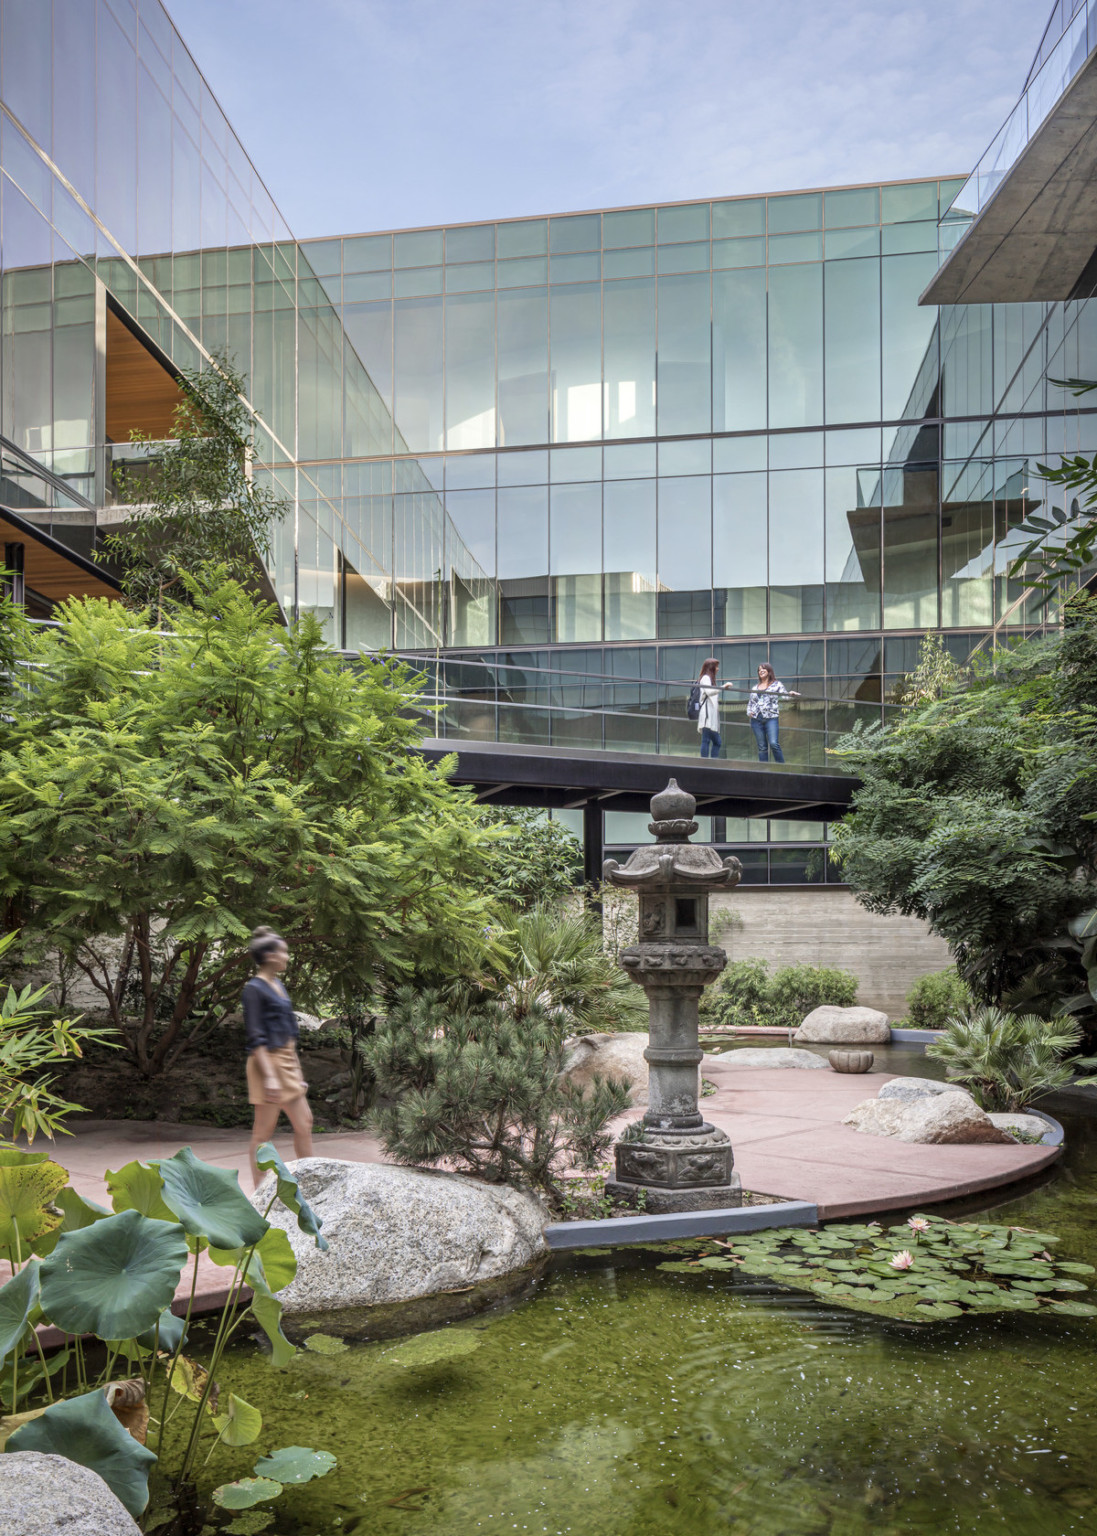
(765, 703)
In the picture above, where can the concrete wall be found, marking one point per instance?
(826, 926)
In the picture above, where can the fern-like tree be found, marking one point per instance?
(199, 500)
(977, 812)
(160, 795)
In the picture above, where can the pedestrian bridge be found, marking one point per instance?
(594, 780)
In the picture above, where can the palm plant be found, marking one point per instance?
(558, 964)
(1006, 1060)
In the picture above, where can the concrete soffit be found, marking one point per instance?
(1038, 233)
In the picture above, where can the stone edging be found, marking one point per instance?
(619, 1230)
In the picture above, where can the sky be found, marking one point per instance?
(385, 114)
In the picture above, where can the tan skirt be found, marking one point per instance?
(286, 1068)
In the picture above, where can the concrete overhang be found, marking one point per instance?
(1038, 233)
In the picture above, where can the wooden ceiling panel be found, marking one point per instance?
(47, 570)
(141, 395)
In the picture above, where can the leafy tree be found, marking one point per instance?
(480, 1087)
(198, 501)
(976, 813)
(935, 674)
(14, 631)
(1064, 540)
(162, 794)
(538, 860)
(1006, 1060)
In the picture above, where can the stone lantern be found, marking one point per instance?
(678, 1160)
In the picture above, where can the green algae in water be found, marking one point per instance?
(622, 1401)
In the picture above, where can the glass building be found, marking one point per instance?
(559, 459)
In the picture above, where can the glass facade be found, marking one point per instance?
(560, 459)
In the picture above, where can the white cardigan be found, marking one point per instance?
(709, 718)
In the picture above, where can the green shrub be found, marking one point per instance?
(1006, 1060)
(747, 994)
(936, 998)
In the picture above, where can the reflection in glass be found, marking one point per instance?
(576, 360)
(685, 556)
(796, 518)
(683, 392)
(417, 350)
(853, 547)
(851, 322)
(470, 371)
(522, 361)
(796, 346)
(910, 337)
(738, 350)
(910, 546)
(522, 556)
(575, 549)
(629, 321)
(739, 553)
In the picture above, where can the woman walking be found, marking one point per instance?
(275, 1079)
(763, 711)
(708, 721)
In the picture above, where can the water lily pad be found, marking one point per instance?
(326, 1344)
(250, 1523)
(1074, 1308)
(245, 1492)
(1075, 1269)
(938, 1309)
(590, 1253)
(295, 1464)
(679, 1266)
(431, 1348)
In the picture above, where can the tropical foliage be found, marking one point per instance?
(937, 997)
(478, 1084)
(976, 813)
(536, 860)
(196, 501)
(1006, 1060)
(554, 960)
(32, 1041)
(108, 1279)
(748, 994)
(161, 794)
(926, 1271)
(1062, 540)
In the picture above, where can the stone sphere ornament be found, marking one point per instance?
(851, 1061)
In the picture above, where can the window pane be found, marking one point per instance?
(528, 238)
(523, 367)
(739, 253)
(575, 550)
(630, 359)
(746, 216)
(116, 132)
(633, 227)
(689, 222)
(788, 248)
(910, 547)
(583, 232)
(738, 350)
(917, 201)
(25, 60)
(522, 555)
(853, 205)
(633, 263)
(73, 86)
(418, 368)
(910, 337)
(419, 248)
(629, 559)
(796, 518)
(367, 253)
(470, 371)
(476, 243)
(684, 358)
(685, 556)
(852, 329)
(576, 360)
(803, 211)
(853, 547)
(841, 243)
(739, 560)
(796, 346)
(967, 544)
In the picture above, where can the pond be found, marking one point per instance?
(621, 1400)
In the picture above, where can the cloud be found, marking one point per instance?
(372, 114)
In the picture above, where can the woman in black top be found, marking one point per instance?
(275, 1079)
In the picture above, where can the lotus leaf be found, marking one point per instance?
(171, 1335)
(76, 1212)
(274, 1252)
(289, 1193)
(10, 1422)
(267, 1311)
(29, 1183)
(18, 1298)
(295, 1464)
(114, 1278)
(1074, 1308)
(189, 1379)
(325, 1344)
(209, 1202)
(245, 1492)
(84, 1430)
(240, 1423)
(139, 1187)
(430, 1348)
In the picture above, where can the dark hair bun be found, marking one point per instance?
(262, 941)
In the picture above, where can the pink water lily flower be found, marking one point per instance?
(902, 1260)
(917, 1223)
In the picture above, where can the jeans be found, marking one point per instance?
(765, 734)
(710, 742)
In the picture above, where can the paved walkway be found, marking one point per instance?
(785, 1126)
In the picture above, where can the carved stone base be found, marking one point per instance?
(675, 1159)
(657, 1201)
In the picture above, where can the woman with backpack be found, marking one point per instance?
(764, 710)
(706, 695)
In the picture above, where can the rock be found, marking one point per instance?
(308, 1022)
(951, 1118)
(397, 1234)
(758, 1056)
(844, 1026)
(43, 1495)
(1028, 1125)
(907, 1088)
(617, 1056)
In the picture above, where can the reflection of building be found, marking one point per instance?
(569, 455)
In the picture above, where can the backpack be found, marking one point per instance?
(693, 707)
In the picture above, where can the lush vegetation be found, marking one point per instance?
(936, 998)
(1006, 1060)
(748, 994)
(161, 793)
(198, 501)
(122, 1396)
(978, 813)
(536, 861)
(931, 1270)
